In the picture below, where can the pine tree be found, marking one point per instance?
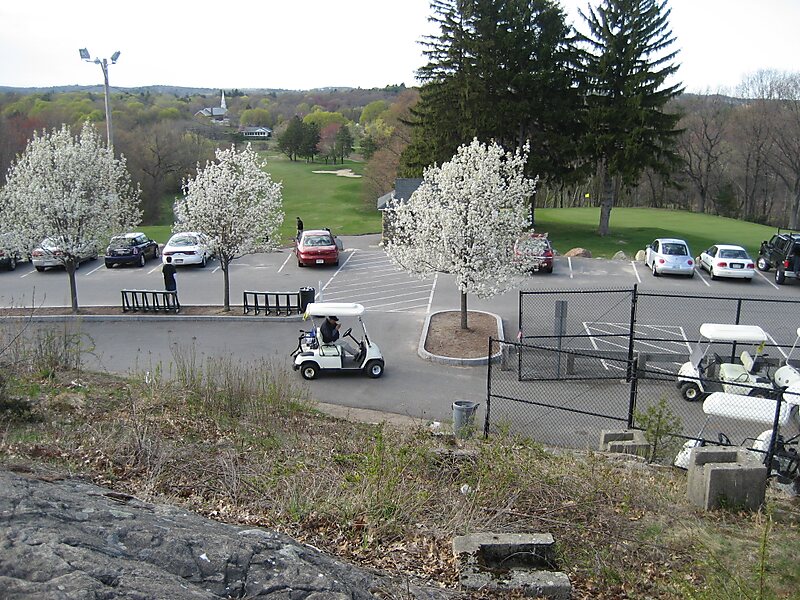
(624, 62)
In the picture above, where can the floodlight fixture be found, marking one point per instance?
(114, 57)
(84, 54)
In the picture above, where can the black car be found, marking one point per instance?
(781, 252)
(130, 249)
(8, 257)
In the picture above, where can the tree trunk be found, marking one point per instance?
(464, 310)
(606, 202)
(73, 288)
(224, 263)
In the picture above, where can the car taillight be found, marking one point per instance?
(661, 261)
(786, 264)
(37, 253)
(722, 265)
(751, 266)
(548, 253)
(690, 262)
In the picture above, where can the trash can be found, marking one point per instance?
(306, 297)
(464, 418)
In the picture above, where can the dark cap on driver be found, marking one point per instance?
(334, 318)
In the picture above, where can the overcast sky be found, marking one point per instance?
(306, 44)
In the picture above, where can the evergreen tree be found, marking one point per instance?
(291, 141)
(622, 68)
(309, 146)
(498, 70)
(344, 142)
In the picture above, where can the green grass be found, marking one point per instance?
(159, 233)
(631, 229)
(322, 200)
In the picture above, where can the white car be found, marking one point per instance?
(49, 254)
(188, 248)
(669, 256)
(724, 260)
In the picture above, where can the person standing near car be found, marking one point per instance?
(330, 335)
(299, 227)
(169, 271)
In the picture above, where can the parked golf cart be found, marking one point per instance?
(786, 460)
(313, 355)
(704, 374)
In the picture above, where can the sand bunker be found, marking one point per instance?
(340, 173)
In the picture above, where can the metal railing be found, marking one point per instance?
(272, 303)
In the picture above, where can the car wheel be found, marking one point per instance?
(691, 274)
(141, 260)
(203, 262)
(156, 252)
(40, 269)
(780, 277)
(336, 264)
(109, 265)
(374, 368)
(300, 263)
(713, 277)
(309, 370)
(690, 391)
(762, 264)
(12, 263)
(655, 271)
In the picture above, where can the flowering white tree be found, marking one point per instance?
(72, 190)
(236, 204)
(464, 219)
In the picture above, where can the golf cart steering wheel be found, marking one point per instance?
(348, 332)
(724, 439)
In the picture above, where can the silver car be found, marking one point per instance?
(49, 254)
(669, 256)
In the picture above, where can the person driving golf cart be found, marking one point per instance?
(330, 335)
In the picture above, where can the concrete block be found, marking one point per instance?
(511, 561)
(624, 442)
(726, 477)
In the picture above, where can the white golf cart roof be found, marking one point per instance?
(339, 309)
(723, 332)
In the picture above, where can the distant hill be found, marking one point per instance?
(155, 89)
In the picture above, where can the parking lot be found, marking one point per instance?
(365, 275)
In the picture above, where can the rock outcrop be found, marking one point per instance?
(67, 539)
(580, 252)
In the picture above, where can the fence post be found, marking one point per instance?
(633, 368)
(632, 331)
(774, 439)
(488, 391)
(560, 330)
(738, 315)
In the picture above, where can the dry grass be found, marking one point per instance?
(243, 444)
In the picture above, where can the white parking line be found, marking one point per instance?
(569, 261)
(26, 274)
(94, 270)
(636, 271)
(154, 269)
(768, 280)
(703, 279)
(284, 262)
(433, 289)
(373, 289)
(338, 271)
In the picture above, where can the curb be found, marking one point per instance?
(458, 362)
(150, 317)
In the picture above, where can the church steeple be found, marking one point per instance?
(222, 103)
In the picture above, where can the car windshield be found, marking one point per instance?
(532, 245)
(318, 240)
(733, 254)
(123, 242)
(675, 250)
(183, 240)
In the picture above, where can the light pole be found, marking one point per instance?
(103, 65)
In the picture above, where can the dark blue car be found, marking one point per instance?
(130, 249)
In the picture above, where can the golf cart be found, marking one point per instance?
(704, 374)
(312, 355)
(786, 460)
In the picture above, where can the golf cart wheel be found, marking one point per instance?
(309, 370)
(761, 393)
(374, 368)
(762, 264)
(690, 391)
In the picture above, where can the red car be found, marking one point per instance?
(533, 252)
(316, 247)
